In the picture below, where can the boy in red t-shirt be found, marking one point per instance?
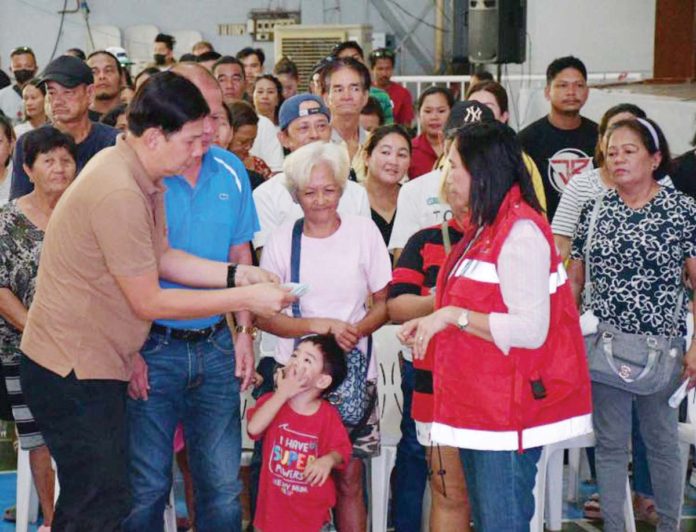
(303, 439)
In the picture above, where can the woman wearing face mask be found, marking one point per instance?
(434, 106)
(34, 97)
(387, 157)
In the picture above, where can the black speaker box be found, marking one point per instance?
(497, 31)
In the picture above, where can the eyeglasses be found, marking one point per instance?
(383, 52)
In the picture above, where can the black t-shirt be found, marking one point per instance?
(100, 136)
(4, 80)
(559, 154)
(683, 173)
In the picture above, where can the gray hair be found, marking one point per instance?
(299, 164)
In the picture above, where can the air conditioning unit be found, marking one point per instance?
(306, 45)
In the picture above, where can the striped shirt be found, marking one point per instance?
(580, 189)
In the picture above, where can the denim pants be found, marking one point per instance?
(658, 426)
(411, 468)
(501, 485)
(84, 425)
(191, 381)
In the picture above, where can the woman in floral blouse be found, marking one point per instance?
(49, 160)
(643, 239)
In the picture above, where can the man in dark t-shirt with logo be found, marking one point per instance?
(563, 142)
(69, 91)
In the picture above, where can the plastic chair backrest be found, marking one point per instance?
(106, 36)
(139, 40)
(386, 351)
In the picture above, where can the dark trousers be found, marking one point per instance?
(84, 425)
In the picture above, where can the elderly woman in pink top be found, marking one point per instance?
(345, 263)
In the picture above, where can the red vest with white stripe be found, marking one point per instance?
(483, 398)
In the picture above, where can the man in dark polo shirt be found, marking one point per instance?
(69, 90)
(98, 293)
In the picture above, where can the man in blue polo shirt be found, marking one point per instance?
(190, 370)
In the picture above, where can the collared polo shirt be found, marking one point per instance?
(109, 223)
(208, 219)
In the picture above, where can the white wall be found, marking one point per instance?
(608, 35)
(35, 22)
(614, 35)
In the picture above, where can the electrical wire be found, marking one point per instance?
(60, 30)
(419, 19)
(85, 12)
(96, 31)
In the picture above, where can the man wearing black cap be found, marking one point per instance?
(69, 89)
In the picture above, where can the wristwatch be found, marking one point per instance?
(244, 329)
(463, 320)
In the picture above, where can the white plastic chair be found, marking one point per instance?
(27, 503)
(138, 40)
(386, 348)
(549, 486)
(687, 435)
(185, 39)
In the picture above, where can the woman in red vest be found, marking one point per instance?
(510, 374)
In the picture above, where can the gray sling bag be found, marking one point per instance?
(638, 363)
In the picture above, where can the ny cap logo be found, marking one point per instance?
(473, 114)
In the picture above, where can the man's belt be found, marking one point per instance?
(189, 335)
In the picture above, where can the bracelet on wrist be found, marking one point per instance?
(231, 274)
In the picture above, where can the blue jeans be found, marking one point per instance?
(193, 382)
(500, 488)
(411, 469)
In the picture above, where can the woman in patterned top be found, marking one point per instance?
(580, 189)
(49, 160)
(645, 236)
